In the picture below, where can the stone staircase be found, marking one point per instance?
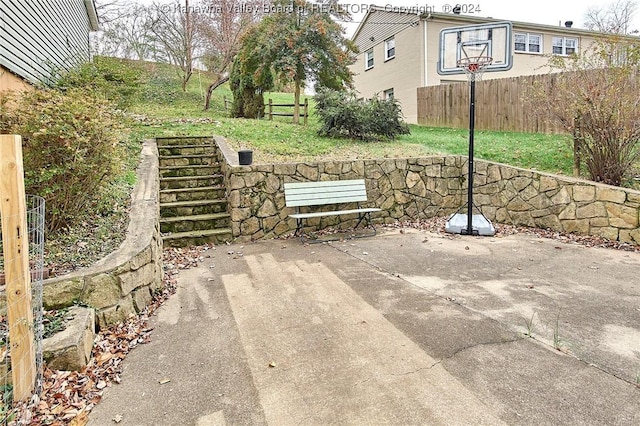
(193, 205)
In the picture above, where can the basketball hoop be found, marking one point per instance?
(474, 66)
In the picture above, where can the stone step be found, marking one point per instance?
(180, 140)
(183, 182)
(186, 194)
(184, 171)
(190, 208)
(195, 223)
(186, 150)
(195, 238)
(187, 160)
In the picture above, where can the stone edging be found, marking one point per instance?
(122, 282)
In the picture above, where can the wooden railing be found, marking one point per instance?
(270, 113)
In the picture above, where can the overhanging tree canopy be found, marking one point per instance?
(300, 42)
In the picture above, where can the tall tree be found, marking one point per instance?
(221, 26)
(297, 43)
(616, 17)
(124, 30)
(173, 34)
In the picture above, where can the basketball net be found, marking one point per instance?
(474, 66)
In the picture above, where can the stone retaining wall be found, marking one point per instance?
(122, 283)
(418, 188)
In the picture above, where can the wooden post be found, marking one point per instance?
(270, 109)
(15, 242)
(306, 110)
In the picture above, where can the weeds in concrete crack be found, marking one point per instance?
(530, 325)
(557, 343)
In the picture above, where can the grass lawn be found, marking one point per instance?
(170, 112)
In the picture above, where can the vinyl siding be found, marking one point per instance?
(41, 37)
(402, 73)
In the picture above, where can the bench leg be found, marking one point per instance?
(299, 229)
(368, 224)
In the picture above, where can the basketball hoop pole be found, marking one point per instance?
(473, 66)
(473, 50)
(472, 121)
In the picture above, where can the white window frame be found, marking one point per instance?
(368, 55)
(388, 94)
(389, 44)
(563, 45)
(528, 43)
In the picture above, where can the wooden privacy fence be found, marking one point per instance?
(500, 105)
(270, 113)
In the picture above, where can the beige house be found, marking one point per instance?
(38, 38)
(399, 51)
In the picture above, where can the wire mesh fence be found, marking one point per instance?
(35, 213)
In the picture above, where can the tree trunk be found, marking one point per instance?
(576, 156)
(213, 86)
(577, 141)
(296, 103)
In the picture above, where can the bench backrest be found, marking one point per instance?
(298, 194)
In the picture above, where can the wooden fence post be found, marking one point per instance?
(270, 109)
(306, 110)
(15, 242)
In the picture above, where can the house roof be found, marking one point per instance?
(405, 17)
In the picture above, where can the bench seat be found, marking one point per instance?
(323, 193)
(333, 213)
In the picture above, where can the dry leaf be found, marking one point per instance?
(67, 397)
(80, 420)
(117, 418)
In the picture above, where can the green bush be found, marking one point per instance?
(71, 147)
(114, 79)
(343, 115)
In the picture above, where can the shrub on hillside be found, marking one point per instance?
(342, 114)
(111, 78)
(70, 148)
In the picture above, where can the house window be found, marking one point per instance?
(389, 49)
(388, 94)
(530, 43)
(565, 45)
(368, 59)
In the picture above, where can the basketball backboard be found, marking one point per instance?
(487, 40)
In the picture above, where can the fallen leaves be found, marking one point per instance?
(68, 397)
(437, 225)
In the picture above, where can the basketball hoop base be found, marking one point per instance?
(457, 224)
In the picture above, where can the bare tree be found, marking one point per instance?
(596, 98)
(221, 27)
(124, 30)
(173, 35)
(616, 17)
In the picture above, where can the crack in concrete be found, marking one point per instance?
(418, 370)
